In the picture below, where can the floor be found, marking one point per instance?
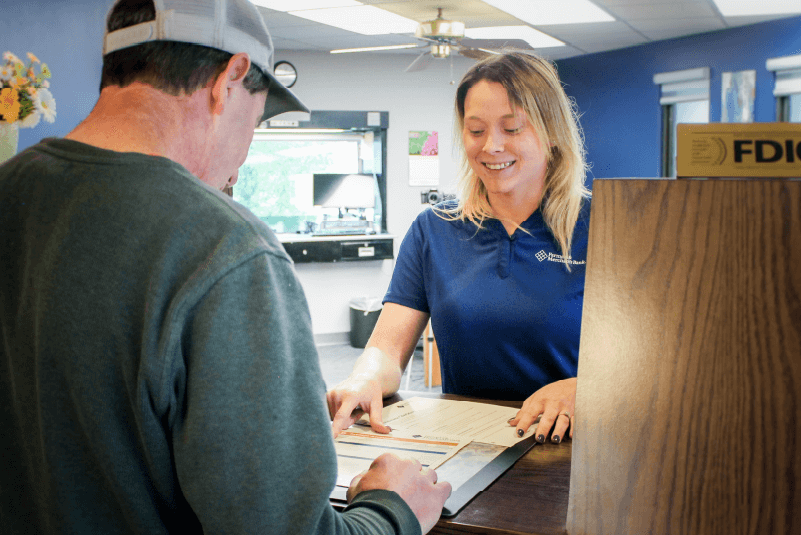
(336, 362)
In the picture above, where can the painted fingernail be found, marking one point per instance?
(520, 432)
(541, 439)
(555, 439)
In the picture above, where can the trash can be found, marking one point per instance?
(364, 312)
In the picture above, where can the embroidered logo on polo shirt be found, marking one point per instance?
(551, 257)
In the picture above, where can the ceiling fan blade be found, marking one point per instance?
(420, 63)
(496, 44)
(475, 53)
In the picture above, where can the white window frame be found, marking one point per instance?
(676, 87)
(683, 86)
(787, 82)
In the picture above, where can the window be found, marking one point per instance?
(787, 89)
(276, 180)
(793, 107)
(684, 99)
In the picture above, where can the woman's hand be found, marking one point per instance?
(377, 372)
(555, 402)
(352, 397)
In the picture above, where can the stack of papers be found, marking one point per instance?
(432, 431)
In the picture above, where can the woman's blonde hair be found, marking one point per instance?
(533, 85)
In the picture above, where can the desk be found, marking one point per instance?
(530, 498)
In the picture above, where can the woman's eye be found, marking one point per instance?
(513, 130)
(476, 132)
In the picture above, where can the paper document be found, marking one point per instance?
(357, 447)
(478, 422)
(431, 431)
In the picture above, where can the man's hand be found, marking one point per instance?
(417, 486)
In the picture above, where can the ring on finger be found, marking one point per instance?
(565, 414)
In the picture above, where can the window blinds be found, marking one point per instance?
(787, 70)
(683, 86)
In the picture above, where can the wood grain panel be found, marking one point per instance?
(689, 385)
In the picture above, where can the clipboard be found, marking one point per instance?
(473, 486)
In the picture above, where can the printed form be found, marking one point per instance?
(431, 431)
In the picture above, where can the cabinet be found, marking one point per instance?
(305, 249)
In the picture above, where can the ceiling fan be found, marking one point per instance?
(447, 36)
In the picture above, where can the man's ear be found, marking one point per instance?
(233, 75)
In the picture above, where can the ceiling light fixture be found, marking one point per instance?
(365, 20)
(374, 48)
(535, 38)
(741, 8)
(547, 12)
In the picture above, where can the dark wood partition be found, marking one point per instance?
(688, 409)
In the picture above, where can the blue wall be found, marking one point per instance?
(68, 36)
(614, 90)
(619, 102)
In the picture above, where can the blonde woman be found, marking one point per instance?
(500, 272)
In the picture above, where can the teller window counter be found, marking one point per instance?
(305, 248)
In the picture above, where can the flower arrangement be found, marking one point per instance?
(24, 94)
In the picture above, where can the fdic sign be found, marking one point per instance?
(739, 150)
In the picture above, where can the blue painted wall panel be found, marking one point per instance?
(614, 90)
(68, 36)
(619, 102)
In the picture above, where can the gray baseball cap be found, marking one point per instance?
(232, 26)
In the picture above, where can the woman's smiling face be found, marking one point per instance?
(502, 146)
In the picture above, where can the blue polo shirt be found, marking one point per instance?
(505, 311)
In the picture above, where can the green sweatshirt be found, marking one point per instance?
(157, 366)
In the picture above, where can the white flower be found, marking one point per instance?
(8, 56)
(6, 72)
(31, 120)
(46, 105)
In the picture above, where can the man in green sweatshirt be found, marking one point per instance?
(157, 366)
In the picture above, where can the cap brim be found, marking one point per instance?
(280, 100)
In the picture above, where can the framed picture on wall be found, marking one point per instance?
(737, 99)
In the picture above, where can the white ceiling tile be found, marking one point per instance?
(588, 32)
(562, 52)
(655, 10)
(615, 3)
(681, 26)
(611, 43)
(422, 10)
(742, 21)
(638, 21)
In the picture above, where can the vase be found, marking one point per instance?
(9, 139)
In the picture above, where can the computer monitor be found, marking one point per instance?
(344, 191)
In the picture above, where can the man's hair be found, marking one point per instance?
(170, 66)
(533, 85)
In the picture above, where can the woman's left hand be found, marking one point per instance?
(555, 402)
